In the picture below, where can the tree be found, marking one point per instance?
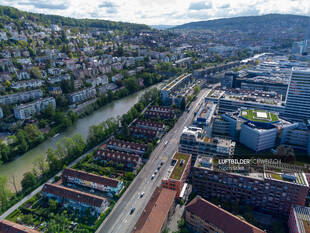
(196, 90)
(183, 104)
(5, 193)
(28, 182)
(286, 153)
(36, 73)
(53, 162)
(79, 144)
(41, 164)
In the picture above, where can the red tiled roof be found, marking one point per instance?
(151, 113)
(219, 217)
(126, 144)
(73, 195)
(90, 177)
(162, 109)
(118, 156)
(156, 211)
(140, 130)
(7, 226)
(149, 123)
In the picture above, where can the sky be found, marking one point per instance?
(160, 12)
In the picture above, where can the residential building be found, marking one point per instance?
(297, 107)
(82, 95)
(170, 93)
(193, 141)
(59, 78)
(299, 219)
(142, 132)
(21, 97)
(152, 125)
(55, 90)
(177, 173)
(35, 83)
(157, 212)
(270, 191)
(7, 226)
(74, 198)
(101, 183)
(98, 81)
(202, 216)
(129, 147)
(161, 112)
(25, 111)
(129, 161)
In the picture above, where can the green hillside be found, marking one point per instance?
(10, 13)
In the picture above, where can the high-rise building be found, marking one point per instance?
(298, 95)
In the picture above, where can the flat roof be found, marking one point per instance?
(256, 115)
(178, 168)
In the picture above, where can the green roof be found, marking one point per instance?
(259, 116)
(178, 170)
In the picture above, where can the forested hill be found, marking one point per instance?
(10, 13)
(247, 23)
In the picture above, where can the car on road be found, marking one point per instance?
(141, 194)
(166, 142)
(161, 163)
(152, 176)
(132, 210)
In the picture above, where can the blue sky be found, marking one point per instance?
(167, 12)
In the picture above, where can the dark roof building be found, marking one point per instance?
(130, 147)
(69, 172)
(131, 161)
(74, 195)
(201, 215)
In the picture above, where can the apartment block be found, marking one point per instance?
(125, 146)
(21, 97)
(152, 125)
(101, 183)
(82, 95)
(74, 198)
(7, 226)
(25, 111)
(129, 161)
(142, 132)
(270, 191)
(202, 216)
(177, 173)
(161, 112)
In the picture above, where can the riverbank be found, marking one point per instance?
(26, 162)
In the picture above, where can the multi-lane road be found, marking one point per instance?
(120, 220)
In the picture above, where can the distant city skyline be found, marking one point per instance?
(160, 12)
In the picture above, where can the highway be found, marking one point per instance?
(120, 220)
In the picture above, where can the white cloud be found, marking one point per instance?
(160, 11)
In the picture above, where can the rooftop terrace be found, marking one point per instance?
(259, 116)
(181, 162)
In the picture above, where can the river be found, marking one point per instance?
(26, 162)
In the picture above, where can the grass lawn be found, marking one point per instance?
(253, 115)
(178, 170)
